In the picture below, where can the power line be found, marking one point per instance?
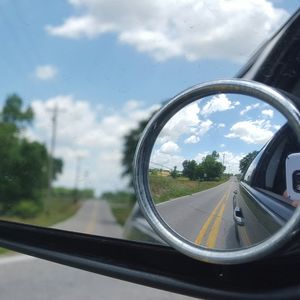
(160, 165)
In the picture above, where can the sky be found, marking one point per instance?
(232, 125)
(106, 65)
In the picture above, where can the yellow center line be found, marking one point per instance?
(90, 228)
(214, 232)
(204, 228)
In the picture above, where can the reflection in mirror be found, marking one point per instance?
(217, 173)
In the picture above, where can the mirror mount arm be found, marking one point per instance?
(152, 265)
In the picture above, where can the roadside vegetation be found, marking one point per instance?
(60, 206)
(121, 204)
(28, 171)
(164, 188)
(194, 177)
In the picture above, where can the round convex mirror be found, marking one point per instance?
(211, 175)
(197, 164)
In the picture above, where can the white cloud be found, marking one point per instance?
(169, 148)
(222, 146)
(248, 108)
(166, 29)
(166, 161)
(221, 125)
(217, 103)
(45, 72)
(277, 127)
(182, 122)
(251, 132)
(231, 161)
(199, 157)
(198, 131)
(193, 139)
(268, 113)
(96, 138)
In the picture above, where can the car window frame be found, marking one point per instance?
(272, 203)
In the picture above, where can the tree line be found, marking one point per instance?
(23, 163)
(209, 169)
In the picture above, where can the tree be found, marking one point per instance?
(23, 163)
(174, 172)
(200, 172)
(13, 113)
(130, 143)
(211, 167)
(190, 169)
(246, 161)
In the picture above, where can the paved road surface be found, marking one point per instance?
(204, 218)
(27, 278)
(94, 217)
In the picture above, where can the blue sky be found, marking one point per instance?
(232, 125)
(107, 65)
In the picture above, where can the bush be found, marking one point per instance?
(26, 209)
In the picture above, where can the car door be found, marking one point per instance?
(259, 206)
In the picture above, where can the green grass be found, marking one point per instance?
(55, 210)
(4, 251)
(164, 188)
(121, 204)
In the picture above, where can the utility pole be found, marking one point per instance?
(55, 110)
(77, 177)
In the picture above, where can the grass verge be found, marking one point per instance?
(164, 188)
(56, 209)
(121, 204)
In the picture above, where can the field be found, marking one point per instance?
(164, 188)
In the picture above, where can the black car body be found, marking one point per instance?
(260, 207)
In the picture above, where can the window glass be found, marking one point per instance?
(251, 169)
(271, 176)
(272, 167)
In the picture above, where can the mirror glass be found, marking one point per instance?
(216, 171)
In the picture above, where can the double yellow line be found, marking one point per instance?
(215, 215)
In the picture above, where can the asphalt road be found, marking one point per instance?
(94, 217)
(204, 218)
(27, 278)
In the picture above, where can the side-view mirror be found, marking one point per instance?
(185, 182)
